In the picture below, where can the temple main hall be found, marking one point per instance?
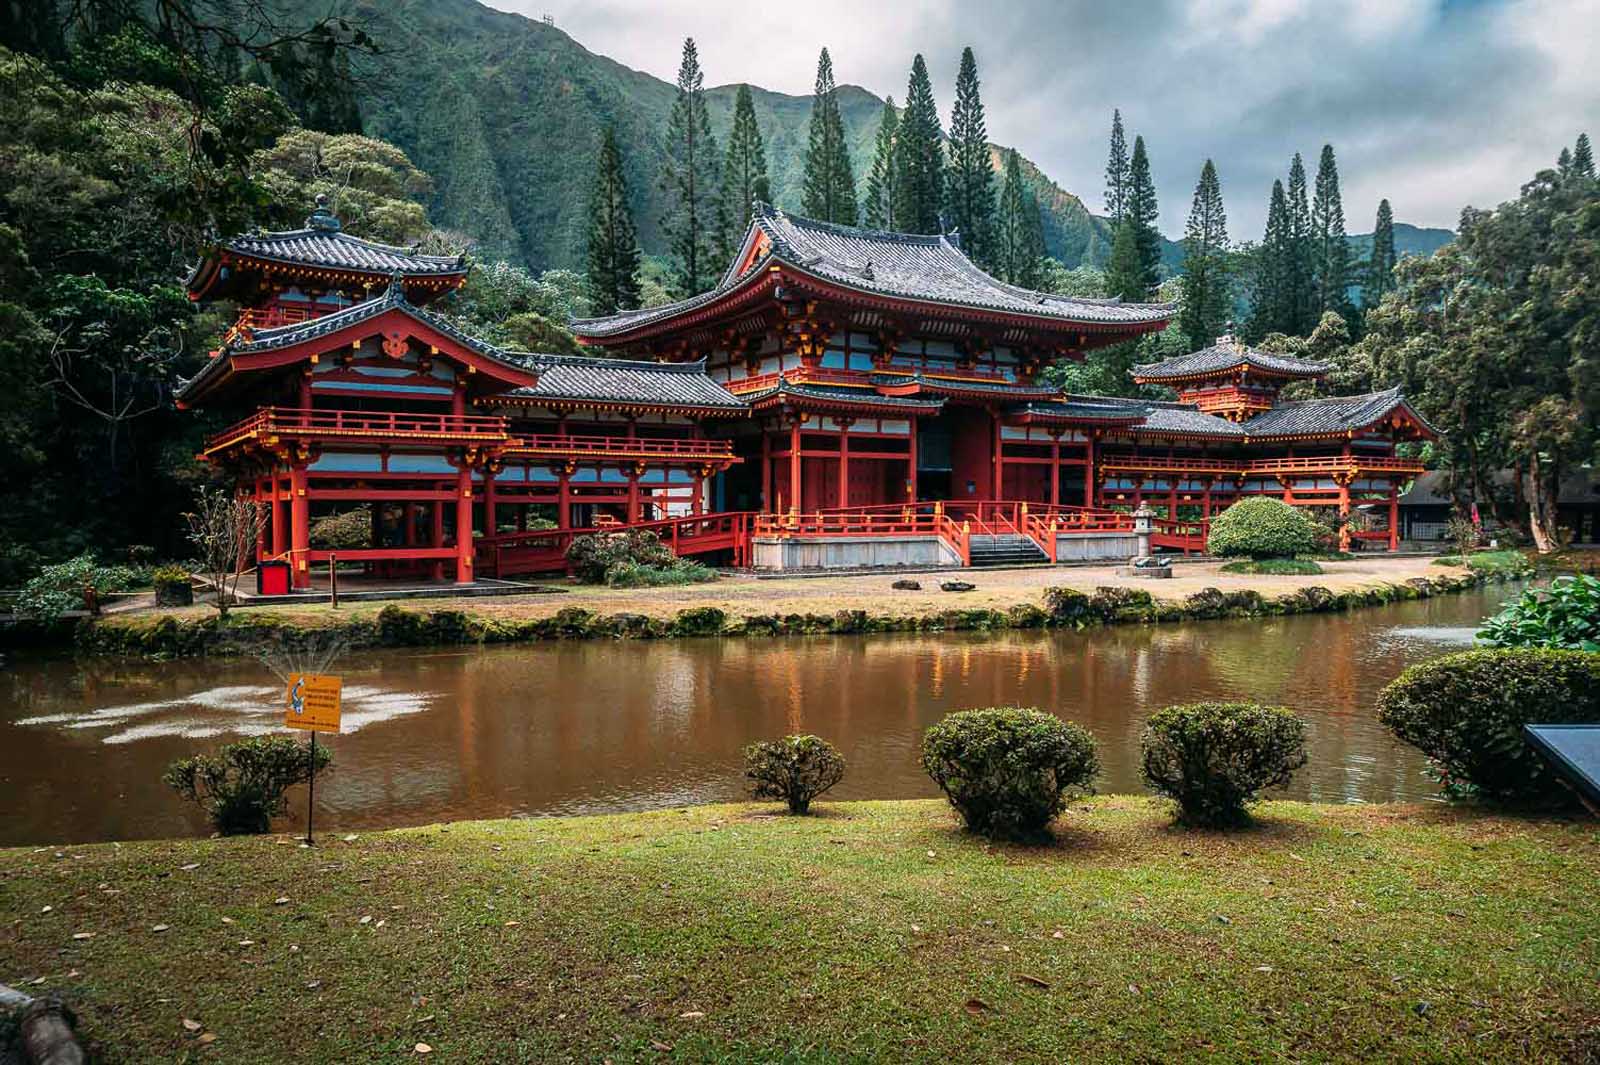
(842, 398)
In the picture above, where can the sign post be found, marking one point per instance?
(312, 702)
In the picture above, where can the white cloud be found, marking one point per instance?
(1432, 103)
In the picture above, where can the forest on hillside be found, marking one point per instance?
(136, 134)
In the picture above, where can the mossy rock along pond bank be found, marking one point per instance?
(196, 633)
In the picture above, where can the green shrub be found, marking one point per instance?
(1567, 614)
(1212, 758)
(635, 575)
(1261, 527)
(241, 787)
(1490, 563)
(345, 531)
(1466, 711)
(1277, 567)
(795, 769)
(172, 586)
(1008, 771)
(592, 556)
(59, 588)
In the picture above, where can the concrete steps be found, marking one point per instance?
(1005, 551)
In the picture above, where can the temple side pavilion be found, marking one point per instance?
(843, 397)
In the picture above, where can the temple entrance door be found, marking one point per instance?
(934, 449)
(1072, 478)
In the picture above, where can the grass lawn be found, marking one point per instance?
(1277, 566)
(872, 931)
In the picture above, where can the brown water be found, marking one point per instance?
(605, 726)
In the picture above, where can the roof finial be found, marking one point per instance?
(1227, 339)
(322, 218)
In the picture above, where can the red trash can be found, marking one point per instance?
(272, 577)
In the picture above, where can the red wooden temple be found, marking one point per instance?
(842, 398)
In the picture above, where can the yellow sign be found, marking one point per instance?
(312, 702)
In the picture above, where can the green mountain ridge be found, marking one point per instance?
(505, 113)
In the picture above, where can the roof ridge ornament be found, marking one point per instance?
(1228, 340)
(322, 219)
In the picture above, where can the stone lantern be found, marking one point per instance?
(1144, 564)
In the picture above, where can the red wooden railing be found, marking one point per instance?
(1299, 463)
(619, 446)
(291, 421)
(545, 550)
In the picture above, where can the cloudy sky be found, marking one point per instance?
(1432, 103)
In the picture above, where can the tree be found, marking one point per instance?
(373, 187)
(1145, 216)
(969, 185)
(1125, 279)
(919, 157)
(1380, 267)
(1583, 157)
(881, 178)
(1207, 295)
(1018, 243)
(613, 264)
(1493, 338)
(744, 169)
(829, 185)
(1330, 243)
(1272, 311)
(223, 529)
(1300, 297)
(690, 179)
(1117, 172)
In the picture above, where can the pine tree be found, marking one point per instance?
(744, 170)
(880, 179)
(689, 178)
(1018, 234)
(1380, 267)
(1564, 163)
(1583, 157)
(1272, 311)
(1207, 296)
(1144, 214)
(1117, 172)
(1124, 273)
(1330, 243)
(969, 186)
(613, 272)
(919, 157)
(1299, 288)
(830, 186)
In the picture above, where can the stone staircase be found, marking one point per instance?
(1005, 550)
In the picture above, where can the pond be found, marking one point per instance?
(600, 726)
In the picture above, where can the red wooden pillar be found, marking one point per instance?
(564, 498)
(280, 536)
(844, 462)
(1088, 469)
(911, 464)
(300, 526)
(464, 524)
(408, 517)
(766, 471)
(1394, 516)
(697, 506)
(491, 503)
(1205, 501)
(1172, 500)
(997, 487)
(633, 495)
(796, 496)
(437, 537)
(1055, 469)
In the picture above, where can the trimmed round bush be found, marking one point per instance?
(1008, 771)
(241, 787)
(1261, 527)
(1466, 711)
(1212, 758)
(795, 769)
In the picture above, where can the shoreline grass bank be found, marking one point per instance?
(836, 606)
(873, 930)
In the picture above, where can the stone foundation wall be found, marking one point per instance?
(1085, 547)
(850, 552)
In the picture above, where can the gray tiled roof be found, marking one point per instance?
(1337, 414)
(341, 251)
(393, 298)
(1082, 410)
(846, 396)
(906, 266)
(1225, 355)
(1180, 420)
(644, 384)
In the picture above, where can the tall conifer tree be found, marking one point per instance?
(969, 186)
(830, 186)
(1272, 311)
(1330, 242)
(1143, 212)
(1117, 172)
(1018, 236)
(744, 170)
(879, 208)
(1583, 157)
(689, 178)
(1380, 267)
(1124, 273)
(1207, 292)
(613, 266)
(919, 157)
(1300, 301)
